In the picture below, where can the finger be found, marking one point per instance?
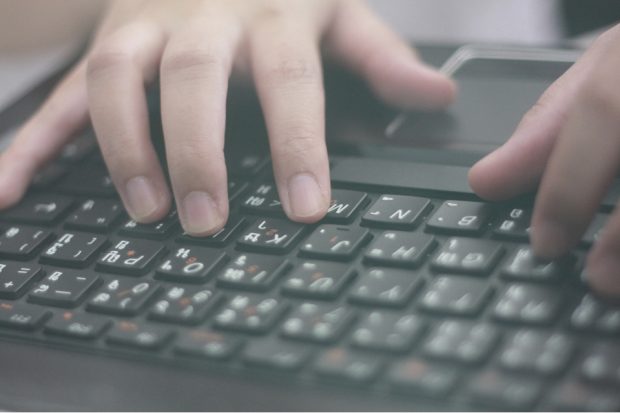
(603, 261)
(287, 72)
(517, 166)
(361, 41)
(585, 158)
(63, 114)
(117, 70)
(194, 79)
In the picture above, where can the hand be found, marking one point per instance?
(192, 46)
(569, 143)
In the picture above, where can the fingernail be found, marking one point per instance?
(199, 213)
(549, 240)
(601, 274)
(141, 197)
(305, 198)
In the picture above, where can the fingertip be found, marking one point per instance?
(306, 202)
(201, 215)
(550, 240)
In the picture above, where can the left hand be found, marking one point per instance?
(569, 144)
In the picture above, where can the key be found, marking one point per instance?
(235, 189)
(523, 265)
(528, 304)
(275, 354)
(73, 249)
(592, 314)
(98, 215)
(344, 205)
(220, 238)
(190, 264)
(207, 344)
(20, 316)
(400, 249)
(79, 148)
(39, 209)
(602, 365)
(318, 280)
(138, 334)
(74, 324)
(186, 305)
(246, 165)
(492, 388)
(460, 217)
(252, 272)
(130, 257)
(385, 287)
(156, 230)
(573, 396)
(21, 242)
(48, 176)
(16, 277)
(537, 352)
(415, 375)
(263, 199)
(387, 331)
(250, 313)
(322, 323)
(461, 296)
(463, 341)
(122, 296)
(396, 211)
(334, 242)
(514, 224)
(343, 364)
(470, 256)
(593, 232)
(63, 288)
(89, 180)
(270, 235)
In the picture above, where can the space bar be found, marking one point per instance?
(401, 175)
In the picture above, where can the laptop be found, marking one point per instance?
(411, 294)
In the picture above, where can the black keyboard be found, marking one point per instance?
(412, 295)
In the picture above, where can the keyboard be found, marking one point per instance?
(412, 293)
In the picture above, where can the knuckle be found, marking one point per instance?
(598, 96)
(192, 61)
(108, 58)
(295, 71)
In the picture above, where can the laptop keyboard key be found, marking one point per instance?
(385, 287)
(461, 296)
(387, 331)
(98, 215)
(270, 235)
(462, 341)
(76, 325)
(184, 305)
(514, 224)
(137, 334)
(190, 264)
(528, 304)
(155, 230)
(470, 256)
(207, 344)
(73, 249)
(602, 365)
(537, 352)
(252, 272)
(344, 205)
(130, 256)
(317, 322)
(20, 242)
(418, 376)
(344, 364)
(396, 211)
(334, 242)
(399, 248)
(263, 199)
(122, 296)
(38, 209)
(460, 217)
(318, 280)
(250, 313)
(15, 278)
(89, 180)
(276, 354)
(63, 288)
(522, 265)
(592, 314)
(494, 389)
(220, 238)
(20, 316)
